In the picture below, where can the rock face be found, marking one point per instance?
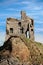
(17, 55)
(13, 61)
(19, 49)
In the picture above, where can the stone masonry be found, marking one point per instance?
(24, 26)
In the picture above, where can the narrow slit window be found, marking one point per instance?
(22, 30)
(11, 30)
(19, 23)
(32, 21)
(31, 29)
(28, 27)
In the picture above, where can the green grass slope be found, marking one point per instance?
(36, 51)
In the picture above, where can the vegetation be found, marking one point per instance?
(35, 56)
(36, 51)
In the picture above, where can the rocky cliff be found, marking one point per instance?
(21, 51)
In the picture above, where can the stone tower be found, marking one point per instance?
(25, 26)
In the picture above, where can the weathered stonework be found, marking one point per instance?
(25, 26)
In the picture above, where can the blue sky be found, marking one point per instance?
(12, 8)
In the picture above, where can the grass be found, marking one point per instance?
(36, 50)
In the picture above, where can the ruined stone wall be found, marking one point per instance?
(25, 26)
(12, 27)
(25, 22)
(31, 27)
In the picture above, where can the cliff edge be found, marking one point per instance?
(21, 51)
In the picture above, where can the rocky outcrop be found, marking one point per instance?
(20, 51)
(13, 49)
(13, 61)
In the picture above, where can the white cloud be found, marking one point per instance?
(37, 8)
(9, 15)
(39, 22)
(39, 38)
(25, 2)
(8, 2)
(39, 29)
(12, 9)
(31, 5)
(34, 7)
(1, 15)
(2, 38)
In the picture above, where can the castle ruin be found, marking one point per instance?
(24, 26)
